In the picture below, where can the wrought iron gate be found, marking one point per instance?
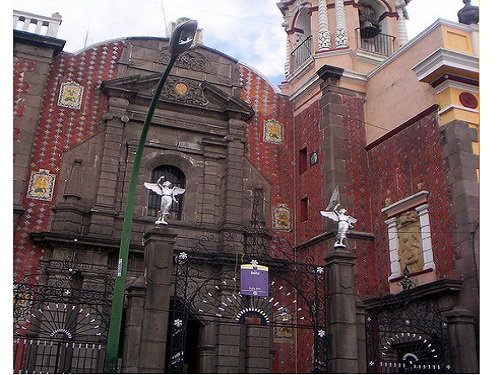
(207, 286)
(410, 338)
(61, 321)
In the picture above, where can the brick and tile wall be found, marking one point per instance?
(58, 129)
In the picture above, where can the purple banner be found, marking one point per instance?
(254, 280)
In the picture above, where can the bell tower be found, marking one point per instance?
(355, 35)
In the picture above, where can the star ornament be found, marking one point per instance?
(178, 323)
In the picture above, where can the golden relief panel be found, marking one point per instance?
(410, 250)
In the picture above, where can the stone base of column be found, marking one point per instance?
(341, 311)
(158, 262)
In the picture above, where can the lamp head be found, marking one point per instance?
(182, 37)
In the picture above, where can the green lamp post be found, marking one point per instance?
(180, 41)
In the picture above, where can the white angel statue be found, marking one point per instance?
(345, 222)
(168, 194)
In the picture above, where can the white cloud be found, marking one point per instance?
(248, 30)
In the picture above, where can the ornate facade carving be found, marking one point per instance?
(340, 25)
(324, 36)
(410, 242)
(185, 91)
(188, 60)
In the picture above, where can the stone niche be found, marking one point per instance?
(410, 246)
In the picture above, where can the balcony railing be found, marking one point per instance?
(34, 23)
(381, 44)
(301, 53)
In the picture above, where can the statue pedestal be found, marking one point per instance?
(341, 311)
(158, 262)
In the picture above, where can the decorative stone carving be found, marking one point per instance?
(341, 38)
(410, 242)
(188, 60)
(324, 37)
(324, 40)
(185, 91)
(408, 228)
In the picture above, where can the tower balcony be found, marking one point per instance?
(301, 53)
(381, 44)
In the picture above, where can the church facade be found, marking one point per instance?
(385, 127)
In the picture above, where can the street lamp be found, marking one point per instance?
(180, 41)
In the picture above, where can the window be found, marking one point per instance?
(177, 178)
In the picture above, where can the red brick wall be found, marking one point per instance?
(59, 129)
(397, 165)
(308, 134)
(274, 161)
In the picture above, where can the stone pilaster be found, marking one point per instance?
(207, 349)
(342, 312)
(158, 256)
(228, 349)
(341, 36)
(462, 177)
(103, 212)
(258, 350)
(463, 339)
(324, 42)
(70, 213)
(133, 327)
(335, 136)
(233, 186)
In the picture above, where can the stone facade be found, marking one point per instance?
(77, 121)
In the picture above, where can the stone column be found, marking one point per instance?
(133, 327)
(233, 174)
(324, 43)
(341, 311)
(462, 341)
(401, 22)
(158, 256)
(341, 37)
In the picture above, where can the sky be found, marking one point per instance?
(248, 30)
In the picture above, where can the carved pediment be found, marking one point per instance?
(178, 90)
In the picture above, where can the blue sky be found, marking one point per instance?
(249, 30)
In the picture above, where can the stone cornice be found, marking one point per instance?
(438, 23)
(444, 58)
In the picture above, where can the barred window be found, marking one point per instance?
(177, 178)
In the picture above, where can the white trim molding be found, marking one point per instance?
(445, 57)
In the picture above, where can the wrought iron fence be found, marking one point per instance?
(409, 338)
(60, 326)
(210, 291)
